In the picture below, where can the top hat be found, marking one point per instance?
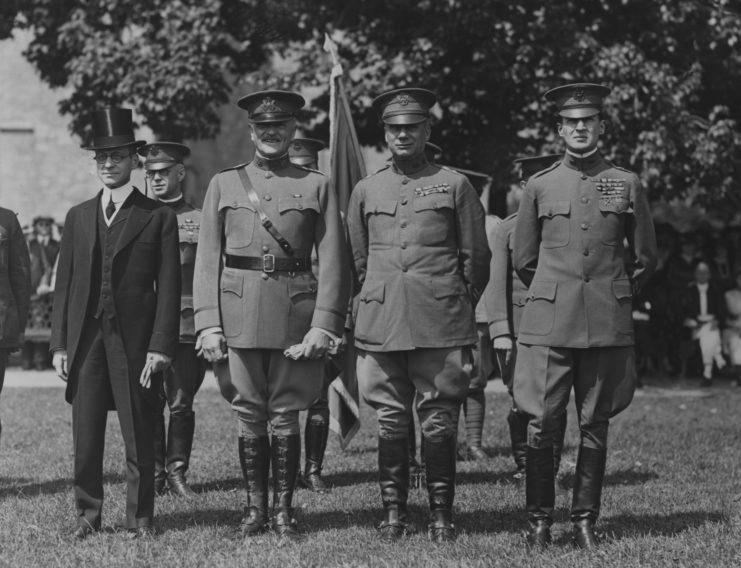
(578, 100)
(305, 151)
(530, 165)
(271, 106)
(113, 128)
(43, 219)
(161, 155)
(404, 106)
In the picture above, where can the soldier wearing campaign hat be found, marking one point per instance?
(505, 297)
(574, 221)
(419, 248)
(264, 311)
(165, 173)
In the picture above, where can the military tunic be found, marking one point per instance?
(574, 222)
(263, 310)
(420, 252)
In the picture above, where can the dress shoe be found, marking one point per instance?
(140, 532)
(476, 453)
(584, 536)
(314, 482)
(395, 526)
(178, 485)
(441, 528)
(539, 533)
(84, 531)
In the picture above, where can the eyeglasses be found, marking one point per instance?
(115, 157)
(164, 172)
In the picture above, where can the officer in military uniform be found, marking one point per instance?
(305, 152)
(504, 298)
(165, 173)
(419, 249)
(266, 310)
(574, 222)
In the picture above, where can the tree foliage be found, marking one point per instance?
(674, 65)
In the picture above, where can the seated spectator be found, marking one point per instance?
(703, 310)
(721, 265)
(732, 331)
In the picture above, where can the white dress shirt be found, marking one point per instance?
(119, 196)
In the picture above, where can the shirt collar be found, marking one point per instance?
(171, 200)
(582, 162)
(702, 287)
(119, 194)
(271, 164)
(409, 166)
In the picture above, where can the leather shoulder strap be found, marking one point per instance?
(264, 219)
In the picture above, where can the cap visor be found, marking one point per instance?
(156, 166)
(404, 119)
(579, 112)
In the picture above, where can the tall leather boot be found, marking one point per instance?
(590, 473)
(440, 465)
(474, 410)
(315, 443)
(518, 422)
(540, 495)
(179, 444)
(286, 456)
(160, 451)
(416, 473)
(393, 477)
(558, 444)
(254, 458)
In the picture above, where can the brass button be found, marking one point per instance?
(300, 206)
(584, 226)
(264, 276)
(403, 224)
(587, 279)
(268, 197)
(404, 269)
(403, 245)
(405, 181)
(404, 201)
(583, 176)
(268, 175)
(585, 200)
(265, 248)
(586, 252)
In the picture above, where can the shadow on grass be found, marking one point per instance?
(631, 526)
(14, 487)
(347, 478)
(229, 484)
(621, 477)
(488, 521)
(197, 517)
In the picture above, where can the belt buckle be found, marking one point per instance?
(268, 263)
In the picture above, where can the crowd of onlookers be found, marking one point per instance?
(688, 315)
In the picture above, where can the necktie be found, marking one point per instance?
(110, 209)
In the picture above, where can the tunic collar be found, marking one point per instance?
(271, 164)
(582, 163)
(409, 166)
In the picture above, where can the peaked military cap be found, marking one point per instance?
(305, 151)
(404, 106)
(271, 106)
(113, 128)
(578, 100)
(433, 152)
(533, 164)
(161, 155)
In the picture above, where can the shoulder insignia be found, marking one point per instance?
(307, 169)
(548, 169)
(378, 171)
(234, 167)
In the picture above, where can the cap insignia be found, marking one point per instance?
(268, 105)
(403, 100)
(579, 94)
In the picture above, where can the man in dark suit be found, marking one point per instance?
(115, 322)
(15, 286)
(43, 250)
(703, 312)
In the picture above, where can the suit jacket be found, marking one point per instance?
(573, 221)
(39, 267)
(257, 310)
(15, 280)
(421, 255)
(146, 282)
(506, 294)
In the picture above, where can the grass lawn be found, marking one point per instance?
(671, 495)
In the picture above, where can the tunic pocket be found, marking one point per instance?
(370, 324)
(554, 219)
(380, 215)
(302, 291)
(540, 309)
(239, 224)
(232, 310)
(613, 212)
(435, 222)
